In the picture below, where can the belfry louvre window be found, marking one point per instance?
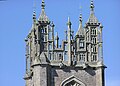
(81, 44)
(93, 31)
(94, 57)
(82, 57)
(94, 41)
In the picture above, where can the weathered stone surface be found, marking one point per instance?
(77, 62)
(87, 76)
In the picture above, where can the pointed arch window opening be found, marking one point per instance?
(65, 56)
(93, 48)
(93, 31)
(45, 31)
(93, 40)
(50, 46)
(50, 32)
(42, 30)
(50, 56)
(81, 45)
(82, 57)
(94, 58)
(42, 35)
(61, 56)
(55, 56)
(72, 81)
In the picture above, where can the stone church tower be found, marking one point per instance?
(77, 62)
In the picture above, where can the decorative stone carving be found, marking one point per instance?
(72, 81)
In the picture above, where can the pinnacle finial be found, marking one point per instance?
(81, 9)
(68, 19)
(34, 4)
(57, 33)
(52, 24)
(34, 10)
(80, 17)
(92, 6)
(43, 4)
(69, 22)
(57, 37)
(34, 15)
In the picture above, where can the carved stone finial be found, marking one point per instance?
(69, 22)
(43, 4)
(92, 6)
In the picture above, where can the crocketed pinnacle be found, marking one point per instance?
(43, 4)
(92, 6)
(34, 15)
(92, 18)
(69, 22)
(80, 29)
(43, 16)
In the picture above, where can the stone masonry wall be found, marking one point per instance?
(87, 76)
(40, 76)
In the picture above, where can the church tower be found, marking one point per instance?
(77, 62)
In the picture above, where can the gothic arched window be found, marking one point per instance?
(82, 57)
(93, 48)
(72, 81)
(93, 31)
(93, 39)
(94, 58)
